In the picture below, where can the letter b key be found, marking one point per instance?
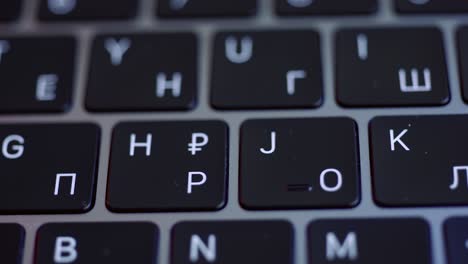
(420, 160)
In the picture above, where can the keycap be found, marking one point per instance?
(391, 67)
(419, 160)
(168, 166)
(10, 9)
(206, 8)
(456, 240)
(36, 74)
(431, 6)
(79, 10)
(299, 163)
(369, 241)
(227, 242)
(463, 59)
(324, 7)
(269, 69)
(106, 243)
(11, 243)
(48, 168)
(143, 72)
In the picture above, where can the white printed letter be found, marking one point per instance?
(162, 84)
(117, 49)
(300, 3)
(273, 145)
(339, 180)
(291, 77)
(198, 246)
(177, 4)
(394, 139)
(199, 140)
(46, 87)
(57, 182)
(4, 48)
(456, 176)
(236, 55)
(191, 182)
(61, 7)
(18, 148)
(362, 46)
(146, 145)
(347, 250)
(65, 250)
(415, 86)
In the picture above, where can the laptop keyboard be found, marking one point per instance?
(222, 131)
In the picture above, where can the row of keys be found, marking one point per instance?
(283, 164)
(250, 70)
(366, 241)
(73, 10)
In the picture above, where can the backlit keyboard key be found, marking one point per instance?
(143, 72)
(420, 160)
(269, 69)
(233, 242)
(431, 6)
(10, 9)
(48, 168)
(299, 163)
(11, 243)
(369, 241)
(106, 243)
(324, 7)
(36, 74)
(391, 67)
(168, 166)
(72, 10)
(205, 8)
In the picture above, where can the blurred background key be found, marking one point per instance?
(69, 10)
(431, 6)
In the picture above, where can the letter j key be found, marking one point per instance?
(420, 160)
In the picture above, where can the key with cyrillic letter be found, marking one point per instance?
(233, 242)
(48, 168)
(36, 74)
(299, 163)
(420, 160)
(391, 67)
(267, 69)
(143, 72)
(78, 10)
(369, 241)
(168, 166)
(106, 243)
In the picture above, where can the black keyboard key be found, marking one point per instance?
(420, 160)
(456, 240)
(369, 241)
(105, 243)
(463, 59)
(75, 10)
(272, 69)
(36, 74)
(206, 8)
(10, 9)
(11, 243)
(391, 67)
(48, 168)
(299, 163)
(324, 7)
(168, 166)
(431, 6)
(143, 72)
(233, 242)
